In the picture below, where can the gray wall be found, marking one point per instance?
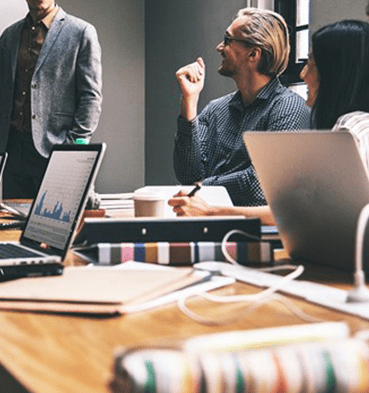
(177, 32)
(328, 11)
(120, 25)
(144, 43)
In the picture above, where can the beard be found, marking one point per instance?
(225, 72)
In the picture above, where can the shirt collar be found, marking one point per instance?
(45, 21)
(265, 93)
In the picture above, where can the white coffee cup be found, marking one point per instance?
(148, 203)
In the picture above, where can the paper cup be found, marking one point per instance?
(148, 203)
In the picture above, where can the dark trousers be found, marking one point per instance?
(24, 169)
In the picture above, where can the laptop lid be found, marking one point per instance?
(61, 198)
(316, 185)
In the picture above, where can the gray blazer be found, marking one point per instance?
(66, 85)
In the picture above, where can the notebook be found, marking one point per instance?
(54, 213)
(316, 185)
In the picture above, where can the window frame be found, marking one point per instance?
(288, 9)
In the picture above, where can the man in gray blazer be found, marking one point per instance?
(50, 91)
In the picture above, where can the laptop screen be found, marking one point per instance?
(61, 196)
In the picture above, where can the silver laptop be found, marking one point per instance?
(316, 185)
(54, 214)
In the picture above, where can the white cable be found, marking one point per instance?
(256, 296)
(249, 310)
(362, 335)
(225, 239)
(256, 299)
(360, 292)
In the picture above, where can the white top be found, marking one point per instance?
(358, 124)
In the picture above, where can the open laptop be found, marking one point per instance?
(54, 213)
(316, 185)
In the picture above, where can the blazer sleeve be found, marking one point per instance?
(88, 85)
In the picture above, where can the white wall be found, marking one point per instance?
(11, 11)
(120, 25)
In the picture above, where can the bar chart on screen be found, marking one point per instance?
(59, 197)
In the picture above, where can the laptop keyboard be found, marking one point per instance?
(9, 250)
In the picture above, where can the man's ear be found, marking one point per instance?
(255, 54)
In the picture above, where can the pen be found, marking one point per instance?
(194, 190)
(11, 210)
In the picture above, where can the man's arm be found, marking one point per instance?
(187, 155)
(243, 186)
(196, 206)
(89, 84)
(191, 82)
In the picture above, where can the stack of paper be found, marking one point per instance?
(114, 204)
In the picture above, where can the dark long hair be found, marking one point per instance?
(341, 54)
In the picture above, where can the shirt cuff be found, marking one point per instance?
(186, 127)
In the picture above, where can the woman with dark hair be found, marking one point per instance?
(340, 53)
(337, 77)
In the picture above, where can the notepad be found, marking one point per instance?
(102, 290)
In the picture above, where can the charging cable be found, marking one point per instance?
(360, 293)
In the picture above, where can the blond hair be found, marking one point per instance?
(268, 31)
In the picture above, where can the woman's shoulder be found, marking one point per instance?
(352, 121)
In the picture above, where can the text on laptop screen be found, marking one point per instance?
(59, 197)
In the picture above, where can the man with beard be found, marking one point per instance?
(209, 147)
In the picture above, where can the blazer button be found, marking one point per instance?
(33, 117)
(33, 85)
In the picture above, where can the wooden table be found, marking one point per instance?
(56, 353)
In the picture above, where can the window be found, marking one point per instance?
(297, 16)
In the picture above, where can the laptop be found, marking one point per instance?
(54, 214)
(316, 185)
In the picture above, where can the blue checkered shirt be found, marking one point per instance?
(211, 148)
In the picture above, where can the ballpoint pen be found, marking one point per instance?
(194, 190)
(10, 210)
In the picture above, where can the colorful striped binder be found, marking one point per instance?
(312, 364)
(181, 253)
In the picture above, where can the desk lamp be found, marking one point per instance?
(359, 293)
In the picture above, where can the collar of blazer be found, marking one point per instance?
(51, 37)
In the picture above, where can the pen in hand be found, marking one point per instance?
(194, 190)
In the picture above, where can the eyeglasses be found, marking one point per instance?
(227, 40)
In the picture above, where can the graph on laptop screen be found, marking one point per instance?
(59, 197)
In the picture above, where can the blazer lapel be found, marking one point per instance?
(51, 37)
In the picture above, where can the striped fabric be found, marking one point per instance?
(358, 124)
(328, 366)
(183, 254)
